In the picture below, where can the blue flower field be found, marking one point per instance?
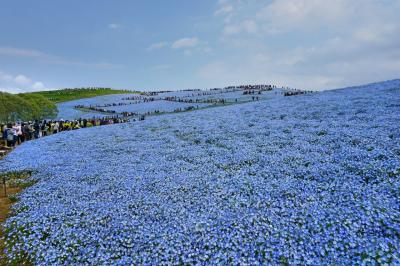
(311, 179)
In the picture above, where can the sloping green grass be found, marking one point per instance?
(64, 95)
(45, 108)
(25, 107)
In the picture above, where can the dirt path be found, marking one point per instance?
(5, 208)
(8, 197)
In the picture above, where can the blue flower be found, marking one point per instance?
(314, 180)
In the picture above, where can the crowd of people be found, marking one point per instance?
(13, 134)
(139, 99)
(183, 100)
(256, 87)
(261, 87)
(96, 109)
(103, 110)
(105, 105)
(207, 93)
(294, 92)
(250, 92)
(133, 98)
(102, 107)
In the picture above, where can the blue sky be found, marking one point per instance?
(176, 44)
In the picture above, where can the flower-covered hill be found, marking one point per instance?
(67, 111)
(310, 179)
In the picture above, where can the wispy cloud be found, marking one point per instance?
(225, 9)
(157, 46)
(52, 59)
(11, 51)
(246, 26)
(185, 43)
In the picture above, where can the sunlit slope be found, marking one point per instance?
(64, 95)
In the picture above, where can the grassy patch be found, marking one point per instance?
(64, 95)
(25, 107)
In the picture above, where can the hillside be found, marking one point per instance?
(25, 107)
(301, 180)
(42, 104)
(145, 105)
(64, 95)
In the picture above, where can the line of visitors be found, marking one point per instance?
(200, 92)
(183, 100)
(293, 93)
(13, 134)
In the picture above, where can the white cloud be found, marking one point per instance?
(246, 26)
(185, 43)
(114, 26)
(286, 15)
(157, 46)
(22, 80)
(38, 86)
(319, 67)
(225, 9)
(308, 43)
(19, 83)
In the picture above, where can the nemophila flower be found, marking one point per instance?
(313, 181)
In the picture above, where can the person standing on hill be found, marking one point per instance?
(10, 135)
(49, 130)
(55, 127)
(30, 130)
(18, 132)
(43, 130)
(27, 131)
(15, 134)
(36, 127)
